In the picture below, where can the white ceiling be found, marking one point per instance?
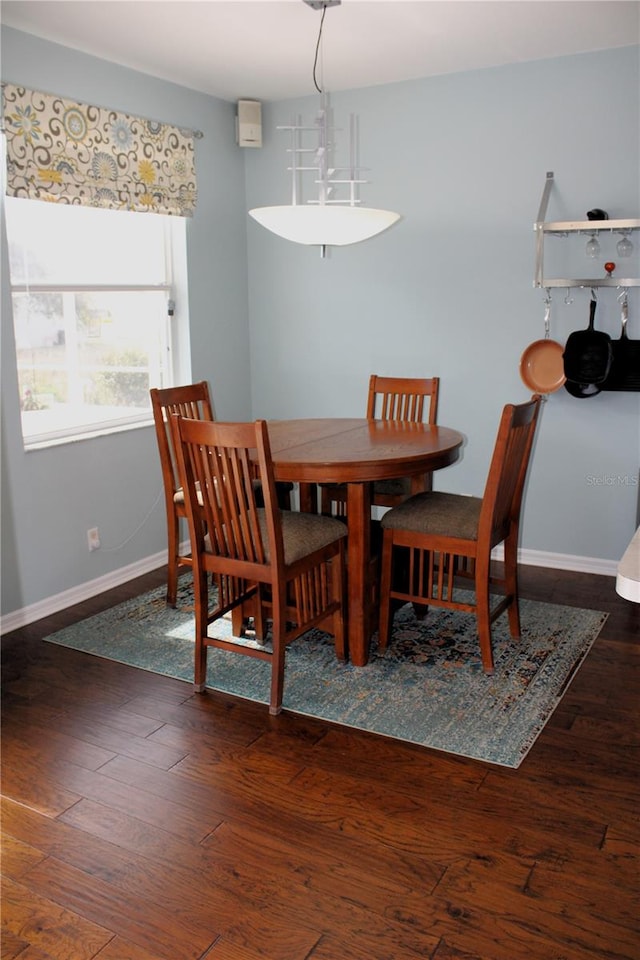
(264, 49)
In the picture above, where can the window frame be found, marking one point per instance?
(174, 336)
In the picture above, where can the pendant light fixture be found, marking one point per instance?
(335, 217)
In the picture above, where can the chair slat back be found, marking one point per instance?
(218, 466)
(502, 498)
(192, 401)
(403, 398)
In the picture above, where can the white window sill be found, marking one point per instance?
(86, 435)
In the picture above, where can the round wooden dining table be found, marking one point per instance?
(357, 452)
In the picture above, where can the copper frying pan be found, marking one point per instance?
(541, 364)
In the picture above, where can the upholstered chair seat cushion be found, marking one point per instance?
(282, 490)
(439, 514)
(400, 487)
(178, 497)
(302, 534)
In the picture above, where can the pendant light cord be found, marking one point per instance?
(315, 62)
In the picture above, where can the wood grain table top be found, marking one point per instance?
(358, 450)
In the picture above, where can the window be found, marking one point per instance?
(95, 328)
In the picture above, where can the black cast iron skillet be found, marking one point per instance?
(587, 354)
(625, 367)
(582, 390)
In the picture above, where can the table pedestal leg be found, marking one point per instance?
(358, 571)
(308, 493)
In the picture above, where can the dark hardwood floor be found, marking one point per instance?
(141, 821)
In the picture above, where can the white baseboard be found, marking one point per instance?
(563, 561)
(84, 591)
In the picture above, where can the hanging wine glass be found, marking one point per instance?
(624, 246)
(592, 248)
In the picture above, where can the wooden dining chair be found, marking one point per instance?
(390, 398)
(191, 400)
(289, 563)
(434, 538)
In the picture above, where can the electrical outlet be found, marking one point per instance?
(93, 539)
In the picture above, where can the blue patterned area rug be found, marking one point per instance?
(427, 688)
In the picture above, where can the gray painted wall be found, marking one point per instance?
(449, 291)
(279, 332)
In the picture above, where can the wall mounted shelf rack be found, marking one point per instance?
(564, 228)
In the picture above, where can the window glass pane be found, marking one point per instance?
(86, 358)
(88, 346)
(58, 243)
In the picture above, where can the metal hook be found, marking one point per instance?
(593, 294)
(547, 313)
(568, 299)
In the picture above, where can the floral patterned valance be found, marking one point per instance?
(68, 152)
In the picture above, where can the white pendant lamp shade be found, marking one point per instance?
(335, 218)
(334, 226)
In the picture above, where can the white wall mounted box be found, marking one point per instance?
(249, 123)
